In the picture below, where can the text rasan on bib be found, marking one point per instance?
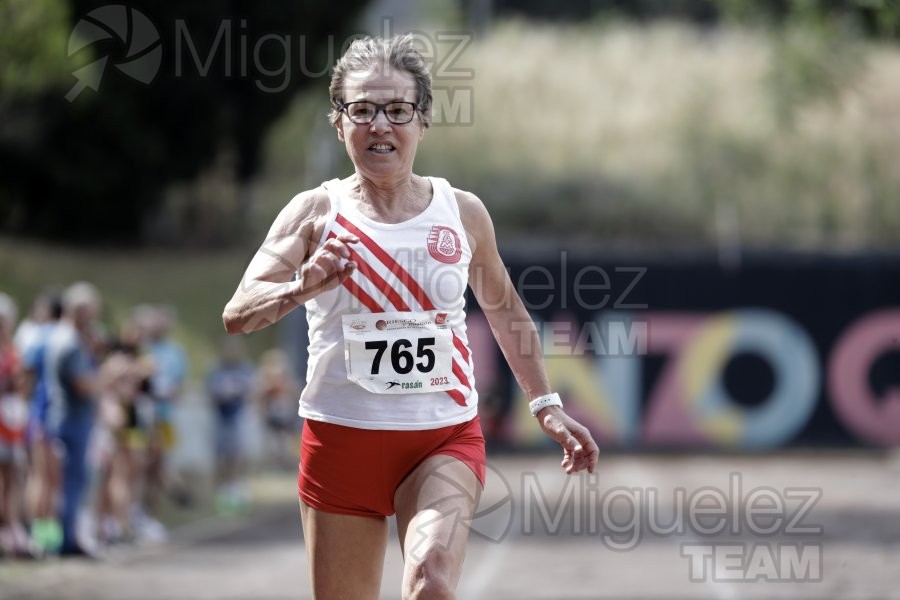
(399, 352)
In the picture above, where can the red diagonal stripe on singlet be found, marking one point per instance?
(457, 397)
(461, 346)
(372, 275)
(415, 289)
(361, 294)
(457, 370)
(393, 266)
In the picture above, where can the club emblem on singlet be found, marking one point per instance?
(443, 244)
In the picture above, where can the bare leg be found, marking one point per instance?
(345, 554)
(154, 478)
(434, 507)
(7, 495)
(120, 488)
(104, 499)
(36, 482)
(7, 538)
(53, 481)
(42, 490)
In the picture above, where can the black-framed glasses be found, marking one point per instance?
(363, 112)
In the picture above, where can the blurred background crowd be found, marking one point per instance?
(87, 423)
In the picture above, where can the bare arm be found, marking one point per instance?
(269, 288)
(516, 334)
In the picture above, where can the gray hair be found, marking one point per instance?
(8, 310)
(367, 53)
(80, 294)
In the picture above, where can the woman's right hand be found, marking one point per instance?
(328, 266)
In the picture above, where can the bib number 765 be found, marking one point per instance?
(402, 360)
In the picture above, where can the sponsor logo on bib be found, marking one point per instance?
(443, 244)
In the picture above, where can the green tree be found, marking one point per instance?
(92, 166)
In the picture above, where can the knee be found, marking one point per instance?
(430, 578)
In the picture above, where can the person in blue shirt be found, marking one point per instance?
(230, 386)
(32, 338)
(71, 370)
(166, 387)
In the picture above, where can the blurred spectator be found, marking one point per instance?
(166, 386)
(277, 394)
(43, 481)
(229, 386)
(46, 309)
(13, 421)
(71, 366)
(124, 375)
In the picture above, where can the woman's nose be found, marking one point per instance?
(380, 123)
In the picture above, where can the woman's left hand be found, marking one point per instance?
(580, 451)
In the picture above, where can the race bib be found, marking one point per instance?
(399, 352)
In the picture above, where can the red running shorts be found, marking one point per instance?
(352, 471)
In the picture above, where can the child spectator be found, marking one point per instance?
(123, 375)
(277, 393)
(229, 386)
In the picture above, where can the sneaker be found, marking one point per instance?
(46, 534)
(148, 529)
(79, 551)
(23, 545)
(110, 530)
(54, 535)
(38, 534)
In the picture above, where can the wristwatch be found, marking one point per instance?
(541, 402)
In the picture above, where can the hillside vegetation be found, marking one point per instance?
(666, 134)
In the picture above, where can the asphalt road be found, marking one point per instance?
(620, 534)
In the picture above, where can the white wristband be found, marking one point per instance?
(541, 402)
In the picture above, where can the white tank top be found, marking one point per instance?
(388, 348)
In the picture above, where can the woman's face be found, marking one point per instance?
(381, 150)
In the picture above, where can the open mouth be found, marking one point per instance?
(381, 148)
